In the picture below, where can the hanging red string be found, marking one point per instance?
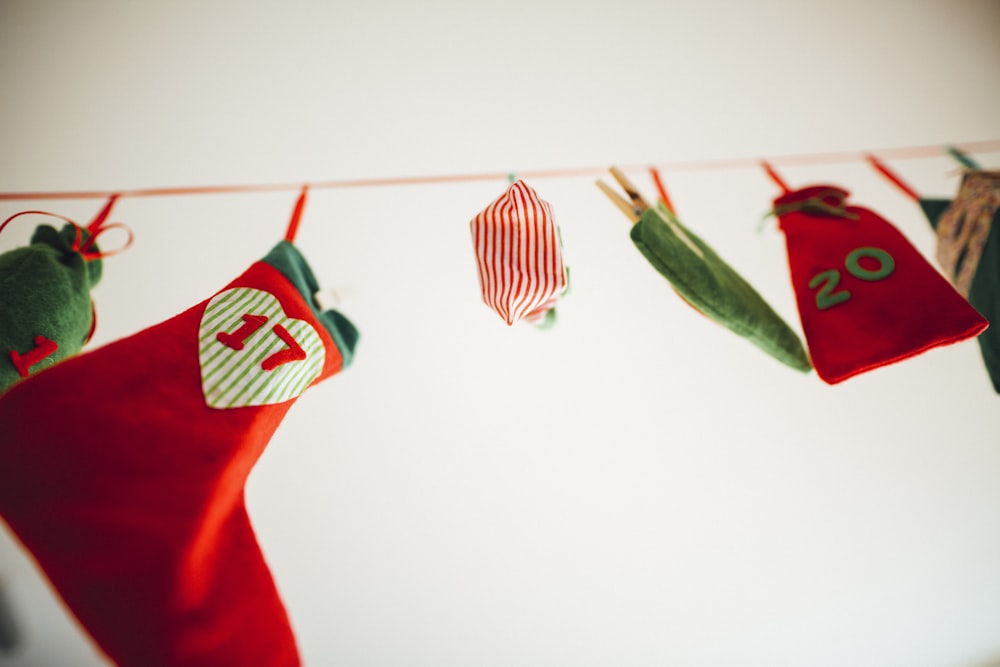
(774, 176)
(102, 216)
(97, 227)
(84, 243)
(661, 191)
(893, 178)
(293, 224)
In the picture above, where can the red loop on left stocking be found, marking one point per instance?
(97, 227)
(85, 243)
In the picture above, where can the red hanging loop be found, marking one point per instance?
(94, 229)
(892, 177)
(89, 254)
(293, 224)
(98, 226)
(54, 215)
(662, 191)
(98, 222)
(774, 176)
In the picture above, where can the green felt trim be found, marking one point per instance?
(63, 241)
(44, 291)
(984, 296)
(548, 321)
(962, 158)
(289, 261)
(715, 288)
(934, 209)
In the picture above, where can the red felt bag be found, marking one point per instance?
(122, 470)
(866, 296)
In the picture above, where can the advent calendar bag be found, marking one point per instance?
(45, 293)
(519, 256)
(968, 250)
(122, 470)
(866, 296)
(968, 244)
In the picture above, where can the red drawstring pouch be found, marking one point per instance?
(866, 297)
(122, 470)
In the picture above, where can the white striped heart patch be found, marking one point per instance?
(251, 353)
(521, 270)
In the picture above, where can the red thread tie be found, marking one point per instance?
(774, 176)
(293, 224)
(893, 178)
(662, 191)
(94, 229)
(97, 227)
(53, 215)
(98, 222)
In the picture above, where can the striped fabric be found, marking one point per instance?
(235, 370)
(521, 270)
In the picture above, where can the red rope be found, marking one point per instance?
(910, 152)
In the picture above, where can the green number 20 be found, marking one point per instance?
(827, 281)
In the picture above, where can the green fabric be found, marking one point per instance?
(962, 158)
(715, 288)
(934, 209)
(286, 258)
(548, 321)
(45, 291)
(984, 296)
(984, 293)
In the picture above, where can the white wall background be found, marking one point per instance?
(634, 487)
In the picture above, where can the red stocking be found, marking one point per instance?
(122, 470)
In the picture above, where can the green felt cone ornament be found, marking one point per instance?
(45, 295)
(703, 279)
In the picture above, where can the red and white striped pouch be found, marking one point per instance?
(519, 254)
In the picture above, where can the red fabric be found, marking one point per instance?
(128, 490)
(881, 320)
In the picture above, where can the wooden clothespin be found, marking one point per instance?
(635, 206)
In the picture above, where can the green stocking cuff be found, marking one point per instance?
(289, 261)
